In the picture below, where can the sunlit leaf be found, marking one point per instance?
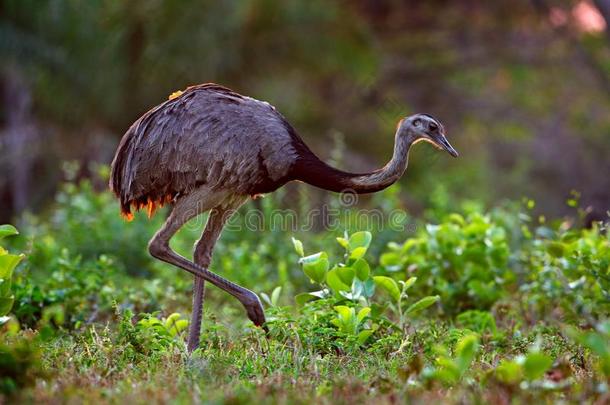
(6, 303)
(389, 285)
(359, 240)
(363, 313)
(422, 304)
(8, 230)
(465, 351)
(362, 269)
(364, 335)
(298, 247)
(316, 266)
(358, 253)
(509, 372)
(303, 298)
(409, 283)
(346, 274)
(536, 364)
(334, 281)
(343, 242)
(275, 295)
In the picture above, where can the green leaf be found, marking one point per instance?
(358, 253)
(316, 266)
(266, 299)
(363, 313)
(422, 304)
(344, 311)
(389, 285)
(275, 295)
(362, 269)
(457, 219)
(171, 320)
(596, 343)
(6, 303)
(356, 291)
(556, 249)
(509, 372)
(369, 288)
(536, 364)
(180, 325)
(303, 298)
(347, 321)
(8, 230)
(465, 351)
(334, 281)
(364, 335)
(359, 240)
(312, 258)
(391, 261)
(343, 242)
(346, 274)
(409, 283)
(7, 265)
(298, 247)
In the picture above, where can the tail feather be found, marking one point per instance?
(119, 183)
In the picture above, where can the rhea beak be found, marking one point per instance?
(443, 143)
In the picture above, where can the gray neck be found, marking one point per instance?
(313, 171)
(390, 173)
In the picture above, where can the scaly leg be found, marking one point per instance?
(202, 257)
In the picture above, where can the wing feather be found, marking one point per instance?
(207, 135)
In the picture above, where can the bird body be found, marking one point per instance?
(209, 148)
(210, 136)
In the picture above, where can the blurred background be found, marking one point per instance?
(523, 87)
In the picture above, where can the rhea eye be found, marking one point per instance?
(417, 122)
(433, 126)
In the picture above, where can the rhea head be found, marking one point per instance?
(425, 128)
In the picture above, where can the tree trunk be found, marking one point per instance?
(19, 138)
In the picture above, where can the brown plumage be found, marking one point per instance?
(210, 149)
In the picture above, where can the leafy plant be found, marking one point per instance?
(450, 369)
(351, 323)
(20, 364)
(461, 259)
(352, 281)
(530, 367)
(151, 334)
(8, 262)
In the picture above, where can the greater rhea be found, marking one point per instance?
(209, 148)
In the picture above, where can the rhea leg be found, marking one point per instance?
(202, 257)
(195, 327)
(159, 248)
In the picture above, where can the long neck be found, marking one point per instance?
(310, 169)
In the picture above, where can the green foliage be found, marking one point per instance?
(87, 222)
(400, 321)
(150, 334)
(529, 367)
(450, 370)
(475, 261)
(598, 342)
(462, 259)
(20, 363)
(570, 270)
(351, 282)
(8, 262)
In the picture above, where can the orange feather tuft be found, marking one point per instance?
(150, 205)
(150, 210)
(128, 216)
